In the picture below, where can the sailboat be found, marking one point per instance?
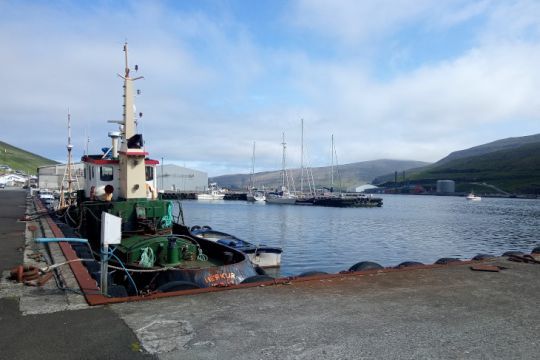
(305, 198)
(283, 196)
(340, 199)
(254, 194)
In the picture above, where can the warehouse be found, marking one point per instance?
(51, 176)
(181, 179)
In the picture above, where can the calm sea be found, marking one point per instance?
(419, 228)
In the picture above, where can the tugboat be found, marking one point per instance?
(152, 255)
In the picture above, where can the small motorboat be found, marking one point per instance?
(213, 193)
(473, 197)
(261, 255)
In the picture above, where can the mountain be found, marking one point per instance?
(503, 144)
(511, 164)
(22, 160)
(345, 176)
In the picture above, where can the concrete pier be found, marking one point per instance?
(448, 312)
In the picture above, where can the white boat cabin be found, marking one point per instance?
(100, 172)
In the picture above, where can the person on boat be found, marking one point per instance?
(151, 192)
(103, 193)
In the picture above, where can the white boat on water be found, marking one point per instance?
(282, 197)
(213, 193)
(256, 196)
(473, 197)
(261, 255)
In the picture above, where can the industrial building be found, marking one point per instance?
(446, 186)
(51, 176)
(181, 179)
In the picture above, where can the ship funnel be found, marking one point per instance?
(114, 135)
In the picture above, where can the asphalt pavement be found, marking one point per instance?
(93, 333)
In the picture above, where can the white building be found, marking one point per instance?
(364, 187)
(13, 180)
(181, 179)
(51, 176)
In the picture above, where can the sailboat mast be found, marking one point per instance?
(251, 180)
(283, 174)
(69, 164)
(332, 166)
(302, 159)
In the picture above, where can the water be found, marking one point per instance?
(419, 228)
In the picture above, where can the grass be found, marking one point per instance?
(22, 160)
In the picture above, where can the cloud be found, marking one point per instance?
(213, 86)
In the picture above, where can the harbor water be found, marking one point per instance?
(414, 228)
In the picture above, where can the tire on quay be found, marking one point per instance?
(446, 261)
(365, 265)
(407, 264)
(483, 257)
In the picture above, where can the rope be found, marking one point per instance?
(201, 256)
(147, 257)
(167, 220)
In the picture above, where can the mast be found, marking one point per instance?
(67, 173)
(302, 159)
(283, 171)
(332, 166)
(251, 180)
(132, 154)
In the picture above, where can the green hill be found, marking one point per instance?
(22, 160)
(515, 170)
(509, 165)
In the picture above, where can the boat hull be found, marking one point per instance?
(265, 259)
(348, 202)
(280, 200)
(210, 196)
(261, 255)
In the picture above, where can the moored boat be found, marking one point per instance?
(347, 200)
(153, 254)
(213, 193)
(261, 255)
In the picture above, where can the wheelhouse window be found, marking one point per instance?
(106, 173)
(149, 173)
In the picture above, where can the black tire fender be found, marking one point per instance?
(365, 265)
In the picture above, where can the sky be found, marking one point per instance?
(389, 79)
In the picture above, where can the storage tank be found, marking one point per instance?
(446, 186)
